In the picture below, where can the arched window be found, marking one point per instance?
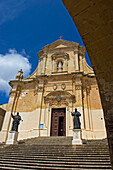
(60, 66)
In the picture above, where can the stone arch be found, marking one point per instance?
(94, 20)
(66, 97)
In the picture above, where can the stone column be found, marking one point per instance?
(43, 64)
(79, 102)
(91, 119)
(46, 116)
(53, 66)
(65, 65)
(76, 61)
(49, 119)
(89, 109)
(81, 62)
(39, 66)
(39, 103)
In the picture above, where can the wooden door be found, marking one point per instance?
(58, 122)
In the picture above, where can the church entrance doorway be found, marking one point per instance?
(58, 122)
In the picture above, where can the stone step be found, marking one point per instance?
(92, 159)
(58, 154)
(63, 157)
(59, 140)
(56, 150)
(55, 147)
(56, 165)
(15, 167)
(96, 162)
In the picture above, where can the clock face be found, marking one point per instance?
(58, 97)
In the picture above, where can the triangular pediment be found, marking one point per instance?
(60, 44)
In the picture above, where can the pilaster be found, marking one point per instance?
(76, 61)
(39, 102)
(79, 103)
(53, 65)
(11, 108)
(43, 63)
(81, 62)
(65, 64)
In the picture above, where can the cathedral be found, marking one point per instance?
(61, 82)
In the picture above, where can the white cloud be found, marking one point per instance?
(10, 64)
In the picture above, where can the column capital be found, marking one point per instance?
(75, 51)
(40, 89)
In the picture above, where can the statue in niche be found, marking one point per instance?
(76, 120)
(16, 121)
(60, 66)
(19, 75)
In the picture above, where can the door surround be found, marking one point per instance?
(58, 115)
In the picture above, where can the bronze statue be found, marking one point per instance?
(16, 121)
(76, 120)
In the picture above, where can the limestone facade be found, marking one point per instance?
(62, 82)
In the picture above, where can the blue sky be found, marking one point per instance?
(25, 27)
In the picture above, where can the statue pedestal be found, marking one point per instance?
(77, 137)
(12, 137)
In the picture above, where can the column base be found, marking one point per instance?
(77, 137)
(12, 137)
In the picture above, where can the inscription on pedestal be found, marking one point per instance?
(77, 137)
(12, 137)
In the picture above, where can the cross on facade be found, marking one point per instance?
(60, 37)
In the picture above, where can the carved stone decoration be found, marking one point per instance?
(40, 89)
(14, 92)
(58, 97)
(60, 61)
(54, 86)
(78, 85)
(59, 55)
(63, 86)
(88, 90)
(36, 90)
(19, 75)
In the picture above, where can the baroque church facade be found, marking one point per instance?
(62, 82)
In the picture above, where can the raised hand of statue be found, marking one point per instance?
(12, 115)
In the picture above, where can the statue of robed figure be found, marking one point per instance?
(16, 121)
(76, 120)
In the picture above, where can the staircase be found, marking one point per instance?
(55, 153)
